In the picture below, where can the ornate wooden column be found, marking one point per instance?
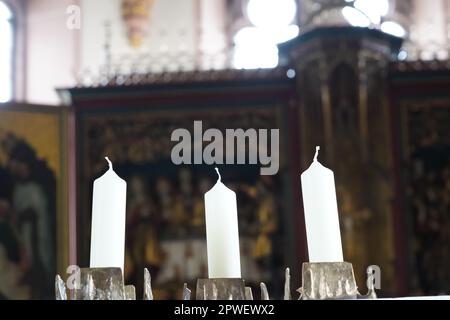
(341, 77)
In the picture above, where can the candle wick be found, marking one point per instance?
(109, 163)
(317, 153)
(218, 173)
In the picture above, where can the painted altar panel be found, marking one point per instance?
(426, 175)
(33, 232)
(165, 229)
(420, 108)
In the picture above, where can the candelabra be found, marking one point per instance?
(320, 281)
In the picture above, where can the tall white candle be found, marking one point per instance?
(108, 220)
(321, 213)
(222, 232)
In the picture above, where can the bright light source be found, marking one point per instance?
(5, 12)
(374, 9)
(247, 34)
(255, 57)
(256, 47)
(253, 49)
(283, 34)
(402, 55)
(355, 17)
(290, 73)
(393, 28)
(271, 13)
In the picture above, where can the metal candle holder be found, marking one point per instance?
(220, 289)
(332, 280)
(225, 289)
(323, 280)
(100, 284)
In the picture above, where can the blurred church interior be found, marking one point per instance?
(368, 81)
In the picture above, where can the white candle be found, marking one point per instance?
(321, 213)
(222, 232)
(108, 220)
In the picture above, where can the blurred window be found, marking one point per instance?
(6, 52)
(270, 22)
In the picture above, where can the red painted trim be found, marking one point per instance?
(397, 205)
(412, 87)
(297, 205)
(72, 187)
(146, 100)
